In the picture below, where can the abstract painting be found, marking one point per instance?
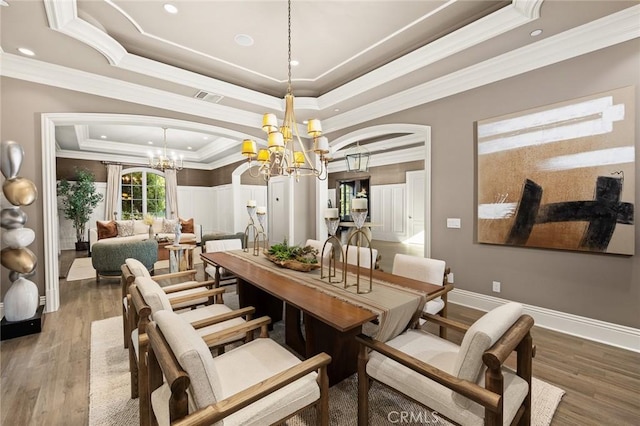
(561, 176)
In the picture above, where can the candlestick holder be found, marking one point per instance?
(336, 247)
(261, 235)
(359, 216)
(250, 227)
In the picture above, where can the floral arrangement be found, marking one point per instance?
(148, 219)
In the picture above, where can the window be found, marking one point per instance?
(142, 192)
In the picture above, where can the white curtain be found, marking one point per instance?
(113, 190)
(171, 192)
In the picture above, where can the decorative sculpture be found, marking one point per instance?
(21, 300)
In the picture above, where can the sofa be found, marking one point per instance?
(119, 231)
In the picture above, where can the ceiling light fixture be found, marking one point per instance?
(535, 33)
(163, 161)
(169, 8)
(283, 157)
(25, 51)
(357, 159)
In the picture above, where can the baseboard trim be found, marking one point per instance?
(42, 302)
(587, 328)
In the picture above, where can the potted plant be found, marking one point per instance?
(79, 198)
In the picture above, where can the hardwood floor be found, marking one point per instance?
(45, 377)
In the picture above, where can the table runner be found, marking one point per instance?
(394, 304)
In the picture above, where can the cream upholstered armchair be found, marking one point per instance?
(466, 384)
(146, 299)
(177, 284)
(432, 271)
(220, 275)
(257, 383)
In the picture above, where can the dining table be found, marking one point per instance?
(320, 316)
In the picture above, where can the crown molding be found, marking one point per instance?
(605, 32)
(493, 25)
(63, 17)
(117, 158)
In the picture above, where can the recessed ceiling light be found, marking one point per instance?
(169, 8)
(103, 136)
(150, 142)
(243, 40)
(206, 138)
(336, 110)
(26, 51)
(189, 148)
(294, 63)
(535, 33)
(305, 121)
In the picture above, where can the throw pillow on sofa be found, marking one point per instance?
(106, 229)
(187, 226)
(169, 226)
(125, 228)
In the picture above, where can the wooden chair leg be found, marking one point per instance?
(443, 314)
(363, 387)
(133, 370)
(323, 406)
(143, 384)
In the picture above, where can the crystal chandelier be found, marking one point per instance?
(163, 161)
(285, 154)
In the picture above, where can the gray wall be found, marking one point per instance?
(604, 287)
(600, 286)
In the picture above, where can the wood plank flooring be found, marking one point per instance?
(45, 377)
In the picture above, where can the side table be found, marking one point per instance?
(180, 257)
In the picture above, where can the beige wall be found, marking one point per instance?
(600, 286)
(603, 287)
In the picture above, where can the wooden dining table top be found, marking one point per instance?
(337, 313)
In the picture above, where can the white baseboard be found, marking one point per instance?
(42, 302)
(587, 328)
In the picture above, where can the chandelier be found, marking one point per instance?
(163, 161)
(285, 154)
(357, 159)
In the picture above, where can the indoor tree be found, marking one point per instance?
(79, 197)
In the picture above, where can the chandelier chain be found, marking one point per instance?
(289, 51)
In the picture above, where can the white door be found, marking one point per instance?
(278, 211)
(415, 207)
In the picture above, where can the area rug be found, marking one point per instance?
(81, 268)
(110, 402)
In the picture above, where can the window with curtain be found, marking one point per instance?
(143, 192)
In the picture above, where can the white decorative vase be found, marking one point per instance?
(21, 300)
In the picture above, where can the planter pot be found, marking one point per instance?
(82, 246)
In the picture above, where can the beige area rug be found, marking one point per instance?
(110, 402)
(81, 268)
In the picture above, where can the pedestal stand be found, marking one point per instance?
(250, 227)
(359, 216)
(33, 325)
(261, 236)
(336, 245)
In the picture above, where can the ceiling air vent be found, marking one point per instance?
(208, 97)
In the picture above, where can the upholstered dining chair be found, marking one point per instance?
(466, 384)
(257, 383)
(433, 271)
(367, 258)
(220, 275)
(318, 245)
(175, 284)
(146, 299)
